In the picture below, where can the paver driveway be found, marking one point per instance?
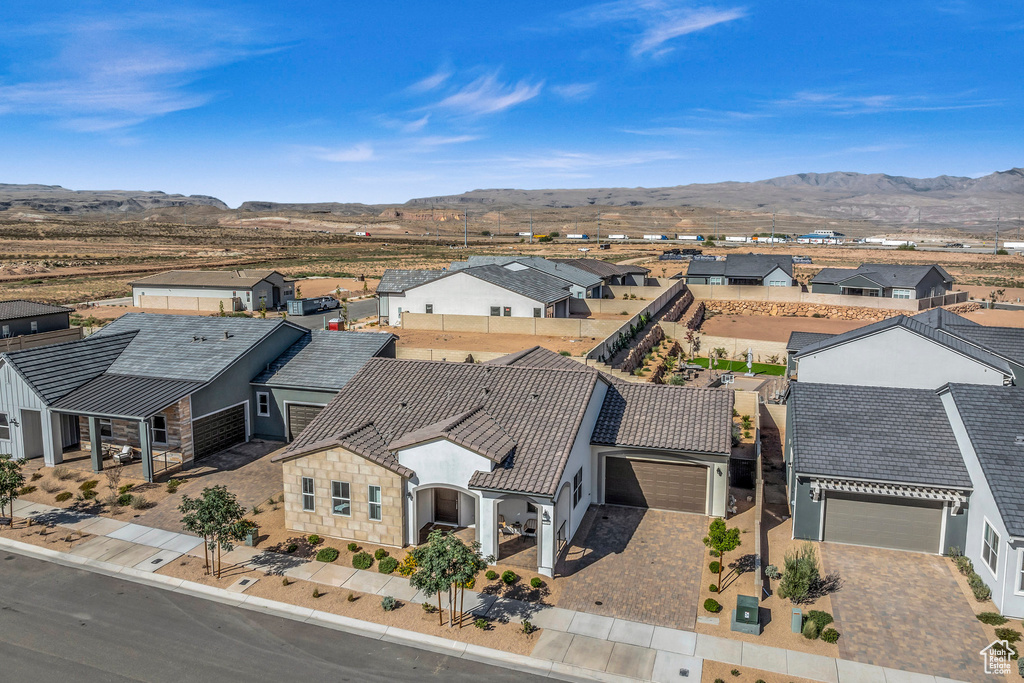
(641, 565)
(903, 610)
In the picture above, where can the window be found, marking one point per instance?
(495, 310)
(307, 494)
(262, 404)
(577, 488)
(536, 313)
(106, 428)
(5, 427)
(430, 308)
(508, 311)
(1020, 573)
(777, 283)
(341, 500)
(34, 326)
(6, 330)
(902, 294)
(375, 508)
(159, 429)
(714, 280)
(990, 547)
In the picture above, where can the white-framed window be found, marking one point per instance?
(376, 512)
(160, 429)
(495, 310)
(429, 308)
(106, 427)
(990, 548)
(1020, 571)
(902, 294)
(341, 499)
(778, 283)
(577, 487)
(5, 427)
(308, 499)
(5, 330)
(714, 280)
(33, 326)
(262, 404)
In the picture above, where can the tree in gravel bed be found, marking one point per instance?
(11, 481)
(722, 540)
(443, 565)
(218, 518)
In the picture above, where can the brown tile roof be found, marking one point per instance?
(363, 440)
(666, 417)
(206, 278)
(473, 429)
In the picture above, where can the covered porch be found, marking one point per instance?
(448, 508)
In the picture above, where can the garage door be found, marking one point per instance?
(214, 433)
(299, 416)
(883, 522)
(664, 485)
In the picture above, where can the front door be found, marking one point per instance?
(446, 506)
(32, 433)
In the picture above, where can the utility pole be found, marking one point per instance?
(999, 215)
(465, 229)
(499, 224)
(184, 209)
(531, 227)
(598, 228)
(773, 229)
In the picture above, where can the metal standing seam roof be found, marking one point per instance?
(230, 279)
(743, 265)
(1007, 342)
(603, 268)
(881, 434)
(532, 284)
(126, 395)
(562, 271)
(13, 309)
(941, 319)
(800, 340)
(396, 281)
(994, 418)
(667, 418)
(324, 359)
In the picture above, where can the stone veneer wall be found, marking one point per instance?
(337, 464)
(179, 430)
(800, 309)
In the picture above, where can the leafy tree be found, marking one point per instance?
(11, 481)
(298, 291)
(722, 540)
(445, 564)
(218, 518)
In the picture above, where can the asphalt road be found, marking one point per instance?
(59, 625)
(363, 308)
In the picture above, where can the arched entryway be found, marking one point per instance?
(438, 506)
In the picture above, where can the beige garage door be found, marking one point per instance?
(299, 416)
(662, 485)
(883, 522)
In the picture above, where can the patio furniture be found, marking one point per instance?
(530, 527)
(124, 456)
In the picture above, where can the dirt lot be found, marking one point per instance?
(772, 328)
(479, 341)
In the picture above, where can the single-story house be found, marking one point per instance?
(19, 317)
(886, 280)
(582, 284)
(760, 270)
(208, 290)
(629, 275)
(513, 450)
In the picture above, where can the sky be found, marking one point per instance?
(380, 102)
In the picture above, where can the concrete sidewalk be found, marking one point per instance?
(603, 647)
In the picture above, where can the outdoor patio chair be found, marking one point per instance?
(504, 528)
(530, 527)
(124, 456)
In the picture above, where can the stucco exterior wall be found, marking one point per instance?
(275, 425)
(44, 323)
(461, 294)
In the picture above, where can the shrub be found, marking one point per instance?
(172, 485)
(380, 554)
(428, 608)
(963, 565)
(88, 495)
(351, 597)
(362, 560)
(25, 490)
(772, 572)
(719, 680)
(36, 476)
(830, 635)
(535, 582)
(735, 672)
(822, 619)
(491, 575)
(140, 503)
(61, 497)
(527, 627)
(981, 591)
(327, 555)
(314, 539)
(292, 547)
(50, 486)
(316, 592)
(62, 473)
(811, 629)
(1002, 252)
(124, 500)
(481, 624)
(387, 565)
(126, 488)
(1008, 634)
(353, 547)
(509, 577)
(992, 618)
(256, 509)
(388, 603)
(711, 605)
(713, 588)
(89, 485)
(408, 565)
(801, 571)
(760, 680)
(715, 567)
(285, 581)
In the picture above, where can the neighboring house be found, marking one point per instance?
(207, 290)
(797, 342)
(886, 280)
(582, 284)
(296, 387)
(479, 290)
(612, 274)
(520, 447)
(19, 317)
(762, 270)
(925, 351)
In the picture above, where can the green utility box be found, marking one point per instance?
(746, 617)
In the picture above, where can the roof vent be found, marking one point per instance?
(195, 338)
(534, 396)
(486, 391)
(227, 335)
(1019, 440)
(403, 404)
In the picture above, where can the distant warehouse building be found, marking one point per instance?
(206, 290)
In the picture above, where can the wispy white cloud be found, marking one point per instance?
(579, 162)
(659, 21)
(574, 91)
(442, 140)
(667, 131)
(843, 104)
(360, 152)
(431, 82)
(489, 95)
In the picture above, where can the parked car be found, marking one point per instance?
(326, 303)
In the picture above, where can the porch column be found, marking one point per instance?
(147, 450)
(546, 540)
(487, 526)
(94, 443)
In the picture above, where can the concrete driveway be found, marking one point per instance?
(904, 610)
(640, 565)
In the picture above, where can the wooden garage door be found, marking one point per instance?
(648, 484)
(299, 416)
(214, 433)
(883, 522)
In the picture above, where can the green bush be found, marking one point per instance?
(387, 565)
(712, 605)
(61, 497)
(527, 627)
(140, 502)
(292, 547)
(981, 591)
(713, 588)
(88, 485)
(811, 629)
(536, 582)
(327, 555)
(964, 565)
(124, 500)
(735, 672)
(173, 484)
(89, 495)
(719, 680)
(379, 554)
(126, 488)
(362, 560)
(491, 575)
(772, 572)
(25, 490)
(316, 592)
(1008, 634)
(285, 581)
(715, 567)
(799, 574)
(992, 618)
(314, 539)
(509, 577)
(830, 635)
(428, 608)
(822, 619)
(482, 624)
(353, 547)
(388, 603)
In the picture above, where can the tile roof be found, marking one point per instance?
(885, 274)
(538, 357)
(666, 417)
(799, 340)
(1007, 342)
(324, 359)
(396, 281)
(743, 265)
(12, 309)
(126, 395)
(994, 418)
(528, 282)
(474, 430)
(58, 369)
(880, 434)
(240, 279)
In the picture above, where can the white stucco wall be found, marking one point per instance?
(894, 358)
(581, 455)
(461, 294)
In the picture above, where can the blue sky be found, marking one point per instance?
(385, 101)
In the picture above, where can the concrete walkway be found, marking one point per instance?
(618, 649)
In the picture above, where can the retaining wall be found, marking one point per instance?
(796, 295)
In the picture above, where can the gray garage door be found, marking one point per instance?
(214, 433)
(299, 416)
(663, 485)
(883, 522)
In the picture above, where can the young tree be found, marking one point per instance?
(11, 481)
(113, 476)
(444, 564)
(218, 517)
(722, 540)
(298, 291)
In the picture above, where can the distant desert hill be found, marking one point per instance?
(336, 208)
(57, 199)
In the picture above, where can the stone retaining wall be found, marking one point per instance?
(800, 310)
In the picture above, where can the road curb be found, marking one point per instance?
(374, 631)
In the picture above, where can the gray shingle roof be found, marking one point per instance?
(56, 370)
(528, 282)
(324, 359)
(240, 279)
(994, 418)
(538, 357)
(885, 274)
(666, 417)
(12, 309)
(874, 433)
(125, 395)
(396, 281)
(603, 268)
(799, 340)
(562, 271)
(1007, 342)
(743, 265)
(474, 430)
